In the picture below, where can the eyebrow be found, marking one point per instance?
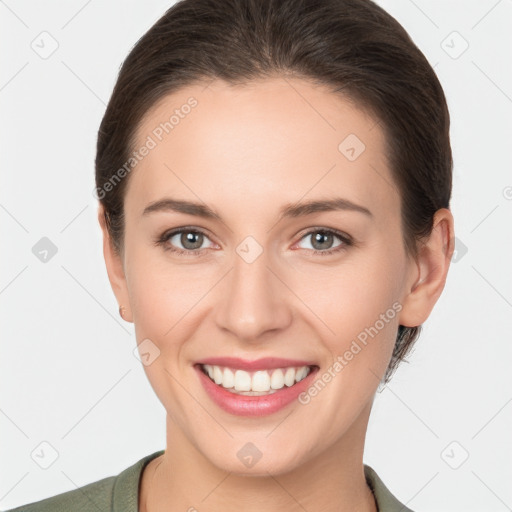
(288, 211)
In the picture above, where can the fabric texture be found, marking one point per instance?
(121, 493)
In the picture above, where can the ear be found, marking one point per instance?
(115, 269)
(431, 268)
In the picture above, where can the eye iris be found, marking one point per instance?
(188, 237)
(321, 238)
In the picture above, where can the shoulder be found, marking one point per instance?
(386, 501)
(93, 496)
(119, 492)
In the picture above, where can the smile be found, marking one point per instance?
(257, 383)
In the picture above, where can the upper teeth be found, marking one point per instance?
(261, 380)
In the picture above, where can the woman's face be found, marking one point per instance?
(247, 284)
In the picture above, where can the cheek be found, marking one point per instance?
(164, 303)
(359, 305)
(165, 297)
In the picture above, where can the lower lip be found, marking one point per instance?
(242, 405)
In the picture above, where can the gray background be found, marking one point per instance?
(71, 387)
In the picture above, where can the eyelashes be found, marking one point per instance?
(346, 241)
(164, 241)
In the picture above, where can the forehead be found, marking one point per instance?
(273, 140)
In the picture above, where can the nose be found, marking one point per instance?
(253, 301)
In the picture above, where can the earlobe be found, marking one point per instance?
(115, 270)
(433, 262)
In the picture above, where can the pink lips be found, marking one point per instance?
(242, 405)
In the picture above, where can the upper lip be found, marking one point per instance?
(265, 363)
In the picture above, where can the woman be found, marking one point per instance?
(274, 179)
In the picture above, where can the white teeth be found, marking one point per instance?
(217, 375)
(242, 381)
(257, 383)
(261, 381)
(277, 379)
(289, 377)
(301, 373)
(228, 380)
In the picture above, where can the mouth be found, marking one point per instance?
(255, 383)
(254, 388)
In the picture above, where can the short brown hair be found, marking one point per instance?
(352, 46)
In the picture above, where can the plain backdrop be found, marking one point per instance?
(71, 387)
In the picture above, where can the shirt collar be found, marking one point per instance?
(386, 502)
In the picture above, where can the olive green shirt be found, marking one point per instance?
(121, 494)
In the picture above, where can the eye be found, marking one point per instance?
(322, 241)
(186, 241)
(189, 241)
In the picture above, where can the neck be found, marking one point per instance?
(183, 479)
